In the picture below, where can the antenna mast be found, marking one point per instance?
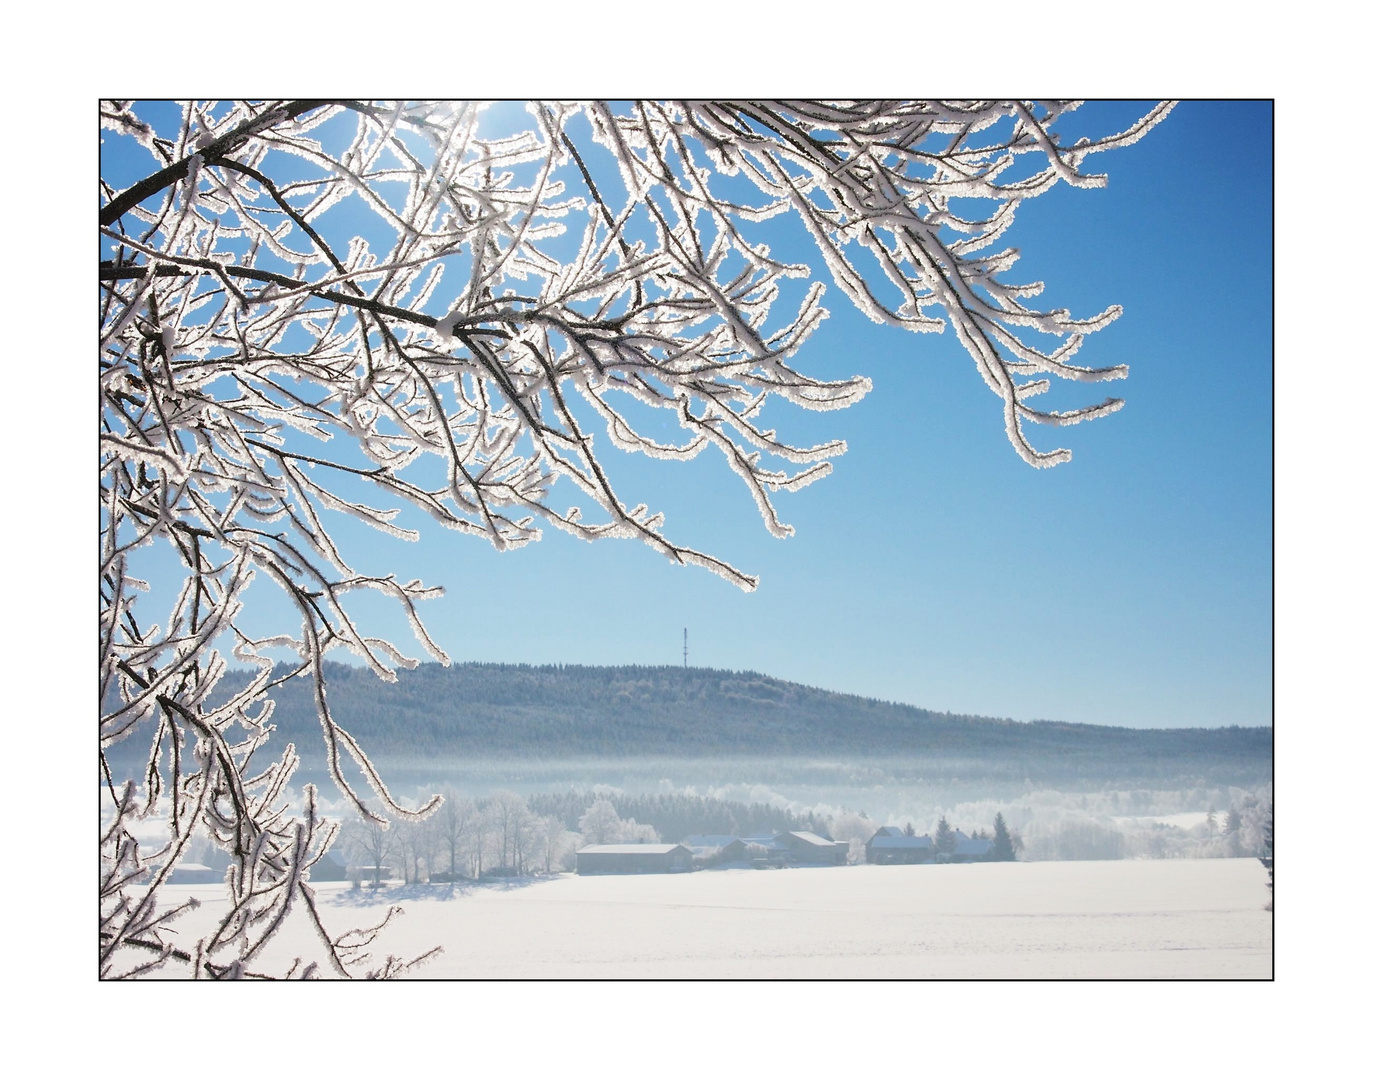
(684, 647)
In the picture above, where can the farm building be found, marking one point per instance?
(765, 851)
(704, 845)
(712, 850)
(328, 868)
(970, 850)
(807, 849)
(890, 845)
(634, 859)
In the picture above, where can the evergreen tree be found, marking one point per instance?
(1003, 850)
(944, 839)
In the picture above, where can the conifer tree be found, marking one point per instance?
(1003, 850)
(944, 839)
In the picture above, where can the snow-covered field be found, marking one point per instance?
(1180, 918)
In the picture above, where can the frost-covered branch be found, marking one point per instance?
(365, 306)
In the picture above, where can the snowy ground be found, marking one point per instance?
(1183, 918)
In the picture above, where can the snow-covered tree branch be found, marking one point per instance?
(366, 306)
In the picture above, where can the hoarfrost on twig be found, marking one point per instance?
(492, 296)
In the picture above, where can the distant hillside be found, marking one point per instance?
(557, 712)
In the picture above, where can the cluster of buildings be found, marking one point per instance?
(697, 852)
(887, 846)
(893, 845)
(211, 872)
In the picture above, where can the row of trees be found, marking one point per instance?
(857, 828)
(464, 838)
(502, 836)
(1243, 831)
(1005, 845)
(677, 814)
(507, 834)
(496, 836)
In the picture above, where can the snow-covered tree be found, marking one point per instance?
(551, 838)
(418, 844)
(855, 828)
(456, 823)
(372, 845)
(510, 821)
(356, 306)
(631, 832)
(601, 823)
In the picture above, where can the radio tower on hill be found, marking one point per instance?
(684, 647)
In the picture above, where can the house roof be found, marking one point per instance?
(709, 840)
(811, 838)
(968, 846)
(630, 849)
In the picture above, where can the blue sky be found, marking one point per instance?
(1129, 586)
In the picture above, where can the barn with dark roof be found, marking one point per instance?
(891, 845)
(809, 849)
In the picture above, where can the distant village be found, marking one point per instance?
(890, 845)
(501, 837)
(887, 846)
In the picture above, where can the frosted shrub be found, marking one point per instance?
(1073, 838)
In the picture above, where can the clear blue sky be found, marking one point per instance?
(1131, 586)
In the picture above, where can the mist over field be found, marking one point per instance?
(1067, 818)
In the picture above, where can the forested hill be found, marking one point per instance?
(502, 710)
